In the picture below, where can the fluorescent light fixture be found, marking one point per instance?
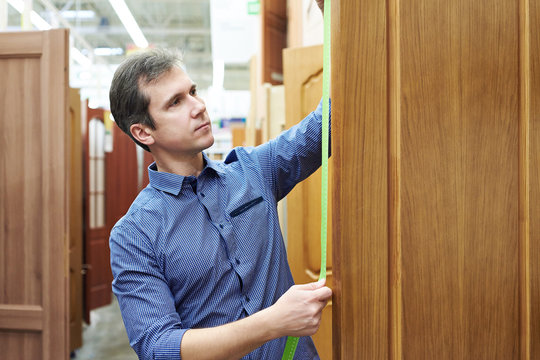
(105, 51)
(78, 14)
(129, 23)
(34, 17)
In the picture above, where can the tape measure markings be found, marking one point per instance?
(292, 342)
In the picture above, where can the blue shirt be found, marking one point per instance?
(196, 252)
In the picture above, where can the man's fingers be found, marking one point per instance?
(323, 294)
(320, 292)
(319, 284)
(312, 286)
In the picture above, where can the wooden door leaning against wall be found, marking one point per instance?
(303, 91)
(34, 195)
(75, 221)
(113, 183)
(98, 277)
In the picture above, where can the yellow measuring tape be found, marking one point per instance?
(292, 342)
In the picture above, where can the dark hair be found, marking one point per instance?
(129, 103)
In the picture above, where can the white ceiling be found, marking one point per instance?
(183, 24)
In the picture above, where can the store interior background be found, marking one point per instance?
(222, 42)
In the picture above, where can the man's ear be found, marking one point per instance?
(142, 134)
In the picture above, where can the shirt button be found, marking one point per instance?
(221, 226)
(202, 194)
(237, 261)
(247, 298)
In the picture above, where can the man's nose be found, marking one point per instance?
(199, 107)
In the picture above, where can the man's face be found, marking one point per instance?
(182, 123)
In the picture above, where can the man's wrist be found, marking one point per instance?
(269, 324)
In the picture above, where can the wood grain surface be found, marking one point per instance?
(34, 195)
(436, 144)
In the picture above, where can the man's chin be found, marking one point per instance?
(210, 144)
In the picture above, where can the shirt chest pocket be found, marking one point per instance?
(250, 219)
(246, 206)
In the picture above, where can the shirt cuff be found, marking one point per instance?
(318, 110)
(168, 345)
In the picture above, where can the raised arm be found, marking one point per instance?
(292, 156)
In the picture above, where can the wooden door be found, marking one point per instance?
(436, 145)
(98, 275)
(121, 184)
(274, 39)
(75, 221)
(303, 91)
(34, 195)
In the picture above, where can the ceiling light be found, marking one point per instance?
(78, 14)
(105, 51)
(129, 23)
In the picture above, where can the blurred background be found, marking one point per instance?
(232, 49)
(218, 38)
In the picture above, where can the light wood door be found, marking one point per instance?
(34, 195)
(75, 221)
(303, 91)
(436, 145)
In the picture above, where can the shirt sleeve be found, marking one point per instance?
(147, 305)
(293, 155)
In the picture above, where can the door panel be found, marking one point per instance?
(303, 91)
(435, 143)
(34, 189)
(459, 178)
(75, 221)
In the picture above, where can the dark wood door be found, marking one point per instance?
(112, 184)
(122, 181)
(274, 39)
(98, 276)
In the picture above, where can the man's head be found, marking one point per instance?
(129, 102)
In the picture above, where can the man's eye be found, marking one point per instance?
(193, 92)
(175, 102)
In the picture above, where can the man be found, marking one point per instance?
(199, 264)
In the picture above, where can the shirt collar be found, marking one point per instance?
(172, 183)
(214, 165)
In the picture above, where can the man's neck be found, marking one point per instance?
(181, 165)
